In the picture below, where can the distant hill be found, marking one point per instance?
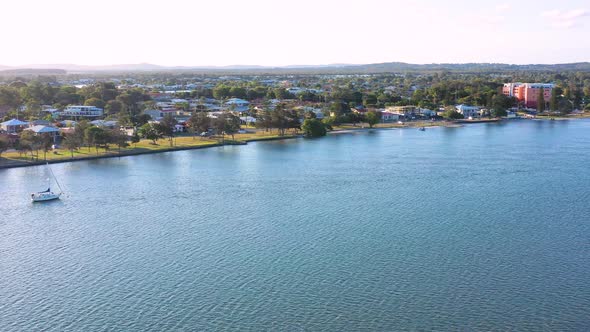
(387, 67)
(31, 71)
(470, 67)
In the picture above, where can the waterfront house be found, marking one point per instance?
(407, 112)
(387, 116)
(468, 111)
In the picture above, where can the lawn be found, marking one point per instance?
(12, 158)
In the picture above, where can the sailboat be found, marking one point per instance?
(47, 195)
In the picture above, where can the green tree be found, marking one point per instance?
(29, 141)
(452, 114)
(95, 102)
(113, 107)
(227, 123)
(167, 126)
(555, 96)
(72, 142)
(541, 100)
(80, 132)
(46, 141)
(499, 104)
(329, 122)
(564, 106)
(10, 97)
(135, 138)
(3, 145)
(233, 124)
(221, 91)
(150, 131)
(313, 128)
(264, 120)
(372, 118)
(95, 136)
(199, 123)
(119, 138)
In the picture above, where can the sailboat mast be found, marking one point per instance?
(50, 170)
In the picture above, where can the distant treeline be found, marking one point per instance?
(32, 72)
(376, 68)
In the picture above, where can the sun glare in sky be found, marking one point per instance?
(265, 32)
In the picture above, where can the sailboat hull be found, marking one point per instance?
(44, 197)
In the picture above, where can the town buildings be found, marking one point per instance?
(527, 93)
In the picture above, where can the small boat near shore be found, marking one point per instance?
(47, 195)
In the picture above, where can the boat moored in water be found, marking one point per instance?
(43, 196)
(47, 195)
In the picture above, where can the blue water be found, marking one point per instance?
(484, 227)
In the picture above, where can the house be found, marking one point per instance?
(387, 116)
(40, 129)
(68, 123)
(406, 111)
(247, 120)
(468, 111)
(155, 114)
(359, 110)
(39, 123)
(426, 112)
(319, 114)
(237, 105)
(82, 111)
(54, 112)
(105, 124)
(13, 126)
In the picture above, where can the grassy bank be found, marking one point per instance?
(15, 159)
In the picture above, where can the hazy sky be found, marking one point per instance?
(275, 32)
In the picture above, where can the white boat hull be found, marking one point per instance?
(43, 197)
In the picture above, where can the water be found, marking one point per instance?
(485, 227)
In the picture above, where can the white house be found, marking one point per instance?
(468, 111)
(387, 116)
(82, 111)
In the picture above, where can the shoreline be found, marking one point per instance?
(11, 163)
(21, 163)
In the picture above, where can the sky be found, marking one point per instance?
(296, 32)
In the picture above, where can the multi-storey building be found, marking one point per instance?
(527, 93)
(82, 111)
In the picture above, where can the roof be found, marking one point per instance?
(14, 122)
(43, 129)
(104, 123)
(40, 122)
(237, 101)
